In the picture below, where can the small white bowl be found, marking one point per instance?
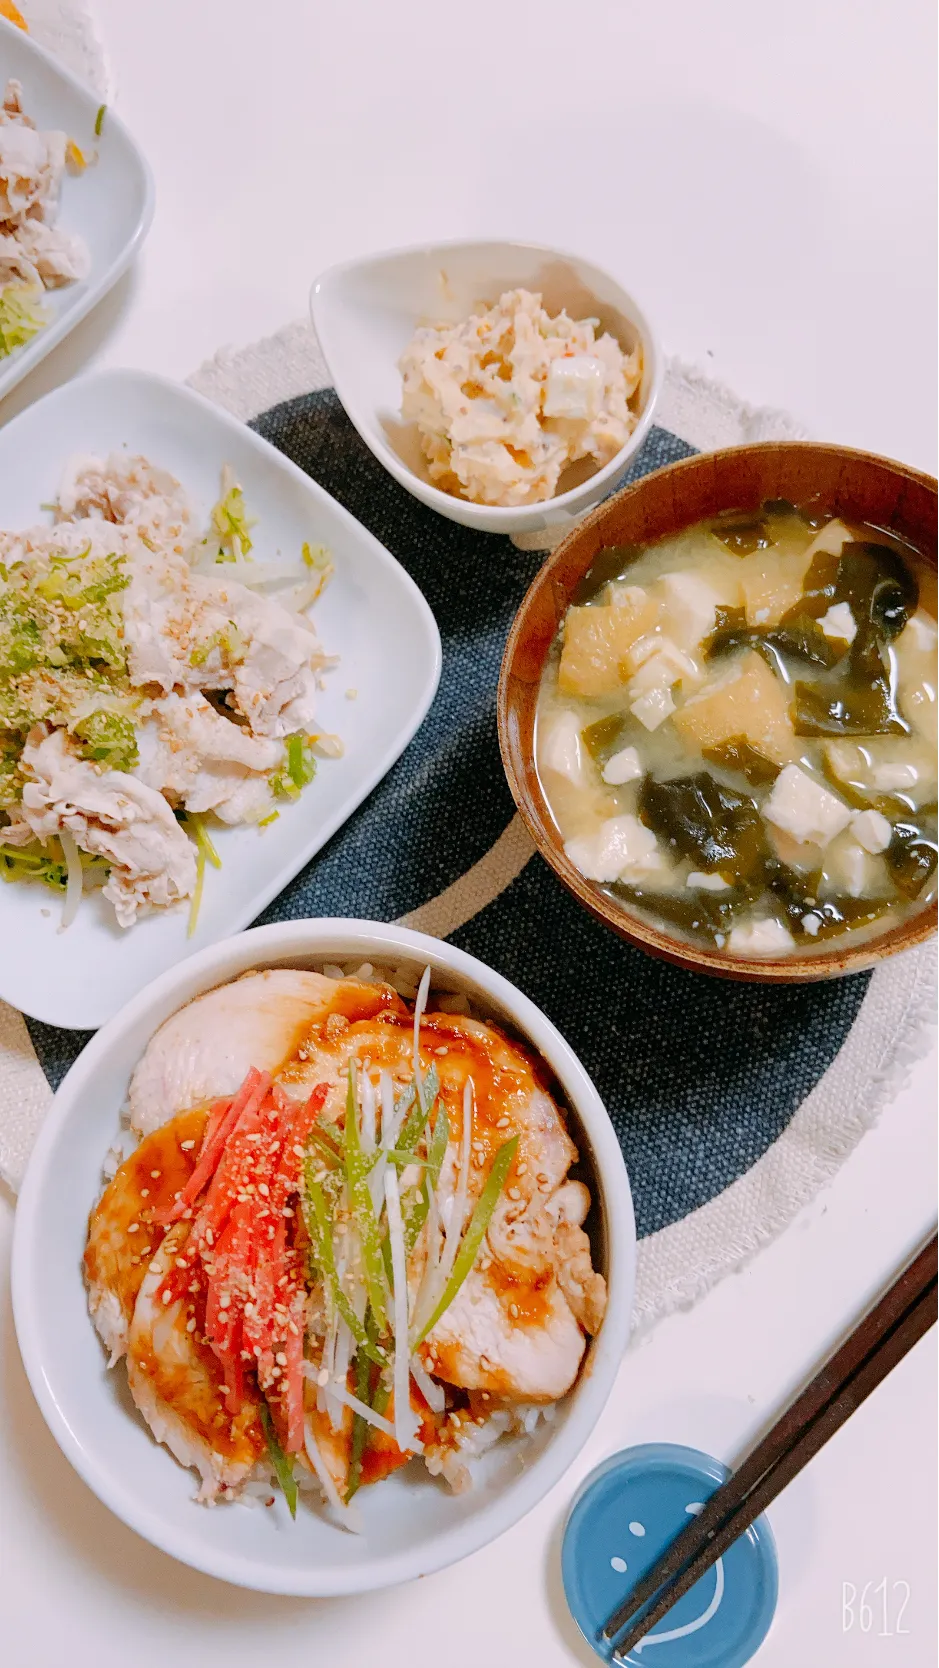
(365, 313)
(413, 1525)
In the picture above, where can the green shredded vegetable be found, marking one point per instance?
(357, 1166)
(473, 1237)
(419, 1204)
(196, 901)
(99, 120)
(231, 522)
(316, 1219)
(109, 738)
(47, 864)
(281, 1462)
(360, 1426)
(297, 770)
(196, 822)
(22, 316)
(415, 1123)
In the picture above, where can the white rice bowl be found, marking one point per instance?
(411, 1524)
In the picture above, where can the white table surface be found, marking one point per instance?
(764, 178)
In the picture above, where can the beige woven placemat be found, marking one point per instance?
(681, 1262)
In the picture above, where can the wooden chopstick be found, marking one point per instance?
(885, 1334)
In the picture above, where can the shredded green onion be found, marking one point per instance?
(414, 1124)
(231, 522)
(416, 1215)
(357, 1168)
(316, 1218)
(196, 903)
(473, 1237)
(281, 1462)
(99, 120)
(298, 769)
(195, 822)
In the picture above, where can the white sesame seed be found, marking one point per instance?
(133, 1227)
(187, 1146)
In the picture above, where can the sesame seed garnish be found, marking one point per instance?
(145, 1193)
(514, 1193)
(187, 1146)
(503, 1123)
(155, 1175)
(167, 1297)
(133, 1228)
(281, 1358)
(191, 1325)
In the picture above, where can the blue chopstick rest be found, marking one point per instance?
(623, 1517)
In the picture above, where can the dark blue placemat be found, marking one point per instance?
(700, 1076)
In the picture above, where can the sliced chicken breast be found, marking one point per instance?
(511, 1330)
(177, 1384)
(207, 1049)
(122, 1235)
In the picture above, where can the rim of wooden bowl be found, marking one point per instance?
(849, 483)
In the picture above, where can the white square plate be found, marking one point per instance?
(110, 205)
(371, 614)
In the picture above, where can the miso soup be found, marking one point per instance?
(736, 731)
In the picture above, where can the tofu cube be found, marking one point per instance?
(575, 387)
(707, 883)
(829, 540)
(760, 938)
(623, 767)
(921, 631)
(560, 748)
(747, 701)
(851, 870)
(665, 666)
(688, 606)
(653, 708)
(803, 808)
(894, 778)
(838, 623)
(872, 831)
(617, 844)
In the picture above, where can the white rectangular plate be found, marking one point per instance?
(372, 615)
(110, 205)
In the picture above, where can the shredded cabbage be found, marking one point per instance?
(22, 316)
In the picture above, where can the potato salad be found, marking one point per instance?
(507, 399)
